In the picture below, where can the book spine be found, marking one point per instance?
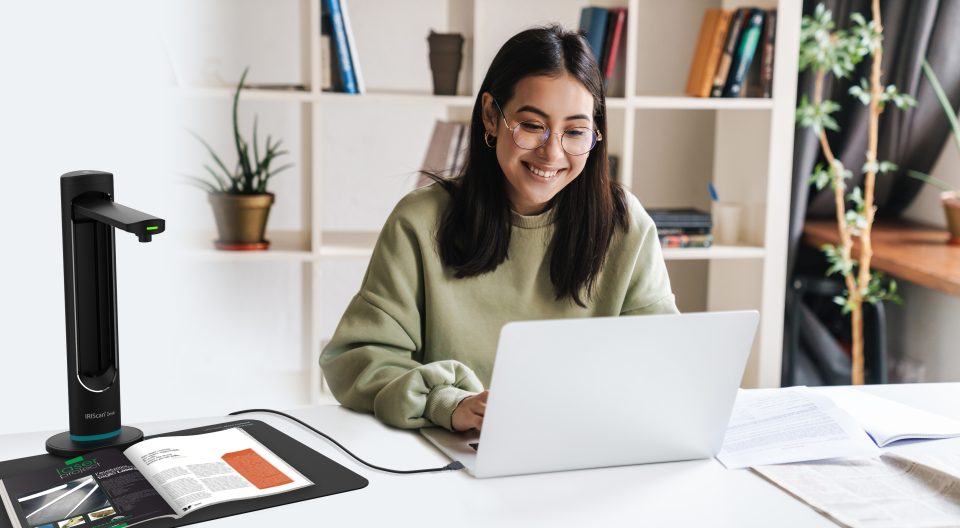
(326, 56)
(352, 48)
(729, 47)
(745, 53)
(593, 25)
(716, 51)
(620, 18)
(766, 61)
(698, 65)
(663, 231)
(686, 241)
(340, 43)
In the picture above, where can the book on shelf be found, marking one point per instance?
(446, 152)
(616, 21)
(745, 51)
(326, 59)
(703, 68)
(613, 167)
(338, 33)
(680, 218)
(686, 241)
(766, 57)
(352, 48)
(593, 26)
(604, 29)
(729, 49)
(168, 476)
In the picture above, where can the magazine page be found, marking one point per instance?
(99, 489)
(194, 471)
(885, 491)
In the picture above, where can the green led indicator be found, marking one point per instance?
(152, 228)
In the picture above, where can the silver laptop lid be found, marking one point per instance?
(595, 392)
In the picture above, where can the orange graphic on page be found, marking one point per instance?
(256, 469)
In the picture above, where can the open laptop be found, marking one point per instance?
(609, 391)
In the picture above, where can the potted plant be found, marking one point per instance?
(950, 197)
(240, 200)
(825, 49)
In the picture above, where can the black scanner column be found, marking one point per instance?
(89, 217)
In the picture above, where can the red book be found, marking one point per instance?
(617, 18)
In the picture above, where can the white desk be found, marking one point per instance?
(696, 493)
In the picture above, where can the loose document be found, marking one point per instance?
(893, 490)
(796, 424)
(775, 426)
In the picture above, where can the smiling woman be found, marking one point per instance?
(533, 228)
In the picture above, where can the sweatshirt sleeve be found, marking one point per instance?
(371, 362)
(649, 291)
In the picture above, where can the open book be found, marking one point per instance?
(168, 476)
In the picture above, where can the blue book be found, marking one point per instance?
(593, 25)
(343, 50)
(745, 52)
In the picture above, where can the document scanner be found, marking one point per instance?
(90, 217)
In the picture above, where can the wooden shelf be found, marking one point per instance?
(912, 252)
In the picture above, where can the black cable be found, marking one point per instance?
(449, 467)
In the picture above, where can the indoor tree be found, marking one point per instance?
(828, 50)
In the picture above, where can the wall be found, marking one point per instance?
(86, 86)
(924, 329)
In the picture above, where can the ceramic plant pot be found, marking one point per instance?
(241, 220)
(951, 207)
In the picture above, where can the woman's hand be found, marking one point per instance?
(469, 413)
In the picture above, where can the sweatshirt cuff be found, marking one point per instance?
(441, 403)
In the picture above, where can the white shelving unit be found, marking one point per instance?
(669, 146)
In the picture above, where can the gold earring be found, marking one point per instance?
(490, 140)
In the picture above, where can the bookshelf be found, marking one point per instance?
(669, 145)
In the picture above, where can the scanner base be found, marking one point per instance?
(62, 446)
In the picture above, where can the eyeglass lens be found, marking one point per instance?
(574, 141)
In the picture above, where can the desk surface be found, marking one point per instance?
(912, 252)
(696, 493)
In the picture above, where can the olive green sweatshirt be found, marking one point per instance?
(415, 340)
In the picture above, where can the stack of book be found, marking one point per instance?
(447, 151)
(604, 28)
(723, 62)
(683, 227)
(338, 50)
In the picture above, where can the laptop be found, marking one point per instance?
(607, 391)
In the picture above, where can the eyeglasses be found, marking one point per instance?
(530, 135)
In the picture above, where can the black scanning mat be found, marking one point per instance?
(328, 477)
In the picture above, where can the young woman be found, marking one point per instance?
(533, 228)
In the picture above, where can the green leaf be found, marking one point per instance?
(944, 102)
(925, 178)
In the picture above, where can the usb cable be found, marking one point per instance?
(455, 465)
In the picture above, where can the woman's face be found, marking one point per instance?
(535, 176)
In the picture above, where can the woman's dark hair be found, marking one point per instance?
(474, 234)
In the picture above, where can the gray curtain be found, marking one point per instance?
(913, 139)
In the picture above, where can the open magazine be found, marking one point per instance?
(168, 476)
